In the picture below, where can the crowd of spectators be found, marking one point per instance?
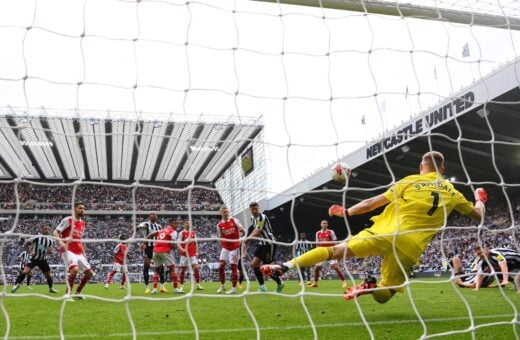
(107, 197)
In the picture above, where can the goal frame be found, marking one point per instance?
(410, 11)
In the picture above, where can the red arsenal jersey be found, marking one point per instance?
(119, 253)
(229, 230)
(325, 238)
(191, 246)
(70, 225)
(166, 235)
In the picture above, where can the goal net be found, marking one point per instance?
(175, 108)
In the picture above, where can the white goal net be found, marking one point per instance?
(181, 107)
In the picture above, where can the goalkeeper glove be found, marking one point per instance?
(481, 195)
(337, 210)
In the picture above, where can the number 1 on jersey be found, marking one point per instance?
(435, 203)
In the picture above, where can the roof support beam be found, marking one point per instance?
(223, 137)
(7, 167)
(81, 143)
(55, 152)
(182, 163)
(108, 137)
(135, 151)
(162, 150)
(26, 148)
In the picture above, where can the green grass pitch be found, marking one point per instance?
(166, 316)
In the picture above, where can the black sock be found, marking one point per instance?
(259, 276)
(146, 274)
(241, 276)
(161, 275)
(29, 279)
(49, 281)
(240, 272)
(20, 278)
(277, 280)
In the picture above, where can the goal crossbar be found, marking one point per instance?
(411, 11)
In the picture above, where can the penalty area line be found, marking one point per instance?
(252, 329)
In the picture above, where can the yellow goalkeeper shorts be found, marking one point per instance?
(395, 267)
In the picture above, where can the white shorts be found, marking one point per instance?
(184, 261)
(331, 262)
(75, 260)
(160, 259)
(230, 256)
(117, 267)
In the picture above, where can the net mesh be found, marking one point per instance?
(326, 83)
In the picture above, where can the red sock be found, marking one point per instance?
(72, 277)
(222, 274)
(196, 273)
(155, 280)
(173, 276)
(316, 274)
(82, 283)
(234, 275)
(340, 274)
(111, 276)
(183, 272)
(123, 279)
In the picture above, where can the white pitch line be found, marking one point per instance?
(251, 329)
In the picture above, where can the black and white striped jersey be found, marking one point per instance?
(24, 258)
(150, 227)
(41, 246)
(497, 255)
(302, 247)
(266, 230)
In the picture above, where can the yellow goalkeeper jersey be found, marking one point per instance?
(419, 207)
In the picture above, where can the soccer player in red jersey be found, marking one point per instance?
(119, 263)
(69, 233)
(326, 237)
(162, 253)
(229, 230)
(189, 250)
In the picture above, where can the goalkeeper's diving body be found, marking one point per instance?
(417, 206)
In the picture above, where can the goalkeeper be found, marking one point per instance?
(417, 206)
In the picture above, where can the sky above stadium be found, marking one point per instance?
(323, 87)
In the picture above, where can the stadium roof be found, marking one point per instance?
(42, 146)
(477, 129)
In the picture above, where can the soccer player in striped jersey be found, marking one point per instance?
(469, 279)
(326, 237)
(416, 208)
(119, 264)
(41, 246)
(301, 248)
(189, 251)
(69, 233)
(162, 253)
(25, 257)
(228, 231)
(150, 226)
(266, 248)
(502, 261)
